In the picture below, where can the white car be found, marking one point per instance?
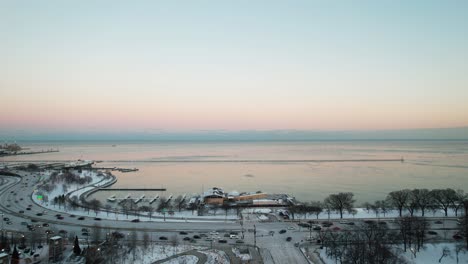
(291, 228)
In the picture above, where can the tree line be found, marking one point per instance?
(415, 200)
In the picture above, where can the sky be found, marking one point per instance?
(139, 66)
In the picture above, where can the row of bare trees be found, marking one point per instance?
(411, 201)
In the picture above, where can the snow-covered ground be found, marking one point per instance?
(363, 213)
(187, 259)
(431, 253)
(215, 256)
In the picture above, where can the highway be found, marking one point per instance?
(15, 199)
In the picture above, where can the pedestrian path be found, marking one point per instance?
(201, 257)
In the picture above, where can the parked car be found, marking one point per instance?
(282, 231)
(162, 238)
(136, 220)
(81, 218)
(288, 239)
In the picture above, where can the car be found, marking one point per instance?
(72, 216)
(214, 233)
(39, 247)
(21, 212)
(233, 236)
(29, 208)
(282, 231)
(438, 222)
(290, 228)
(432, 232)
(317, 228)
(85, 234)
(24, 223)
(8, 205)
(6, 219)
(239, 241)
(39, 214)
(296, 244)
(222, 241)
(336, 228)
(30, 205)
(457, 237)
(162, 238)
(303, 224)
(81, 218)
(48, 231)
(369, 222)
(9, 223)
(208, 239)
(27, 250)
(60, 217)
(196, 236)
(183, 233)
(186, 238)
(227, 235)
(135, 220)
(21, 199)
(271, 233)
(33, 220)
(45, 224)
(97, 219)
(84, 229)
(288, 239)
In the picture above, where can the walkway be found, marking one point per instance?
(201, 257)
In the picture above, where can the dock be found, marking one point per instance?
(134, 189)
(139, 199)
(152, 200)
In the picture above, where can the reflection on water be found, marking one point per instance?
(428, 164)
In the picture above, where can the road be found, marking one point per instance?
(15, 199)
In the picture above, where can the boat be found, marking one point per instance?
(140, 198)
(154, 199)
(111, 198)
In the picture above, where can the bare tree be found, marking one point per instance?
(97, 233)
(95, 205)
(132, 243)
(422, 198)
(108, 207)
(399, 199)
(443, 198)
(341, 202)
(316, 207)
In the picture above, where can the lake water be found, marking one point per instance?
(427, 164)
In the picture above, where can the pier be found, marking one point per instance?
(116, 169)
(133, 189)
(6, 154)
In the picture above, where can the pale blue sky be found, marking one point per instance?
(190, 65)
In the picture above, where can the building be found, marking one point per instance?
(55, 248)
(214, 195)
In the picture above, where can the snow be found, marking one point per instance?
(100, 180)
(363, 213)
(431, 253)
(187, 259)
(215, 256)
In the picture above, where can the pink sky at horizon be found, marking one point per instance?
(266, 65)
